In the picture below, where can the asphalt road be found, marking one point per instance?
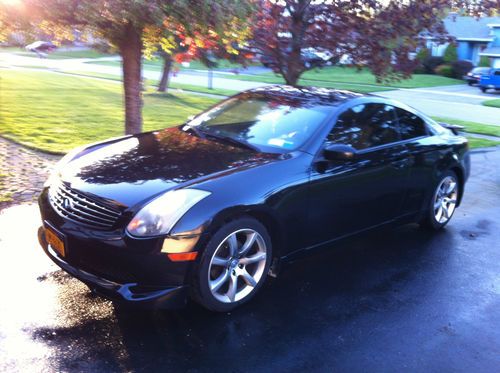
(394, 300)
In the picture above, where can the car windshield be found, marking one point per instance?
(272, 124)
(481, 70)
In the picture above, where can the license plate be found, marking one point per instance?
(55, 242)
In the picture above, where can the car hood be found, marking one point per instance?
(132, 169)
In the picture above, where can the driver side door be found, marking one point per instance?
(353, 195)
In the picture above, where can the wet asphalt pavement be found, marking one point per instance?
(393, 300)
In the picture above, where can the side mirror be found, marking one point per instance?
(339, 152)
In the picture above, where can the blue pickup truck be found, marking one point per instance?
(490, 80)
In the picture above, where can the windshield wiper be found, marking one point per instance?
(232, 141)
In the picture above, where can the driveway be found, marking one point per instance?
(395, 300)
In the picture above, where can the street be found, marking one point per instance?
(395, 300)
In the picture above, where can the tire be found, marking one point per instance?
(440, 214)
(483, 89)
(226, 278)
(470, 83)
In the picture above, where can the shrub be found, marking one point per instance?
(431, 63)
(460, 68)
(420, 57)
(423, 54)
(450, 53)
(484, 61)
(444, 70)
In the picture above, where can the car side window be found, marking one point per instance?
(410, 125)
(497, 72)
(365, 126)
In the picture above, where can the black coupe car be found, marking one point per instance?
(208, 209)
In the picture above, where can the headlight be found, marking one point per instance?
(159, 216)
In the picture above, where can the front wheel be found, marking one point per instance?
(443, 202)
(233, 266)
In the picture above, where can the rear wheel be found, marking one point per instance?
(483, 89)
(234, 265)
(443, 201)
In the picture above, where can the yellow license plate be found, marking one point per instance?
(55, 242)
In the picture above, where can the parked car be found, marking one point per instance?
(474, 76)
(311, 58)
(41, 48)
(490, 80)
(208, 209)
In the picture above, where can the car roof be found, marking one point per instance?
(306, 95)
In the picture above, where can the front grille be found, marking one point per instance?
(76, 206)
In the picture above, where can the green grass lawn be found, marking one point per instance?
(174, 85)
(472, 127)
(475, 143)
(328, 77)
(56, 112)
(492, 103)
(57, 54)
(157, 65)
(337, 76)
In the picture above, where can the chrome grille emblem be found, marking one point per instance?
(68, 204)
(74, 205)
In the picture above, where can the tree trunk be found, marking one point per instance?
(291, 78)
(131, 53)
(165, 77)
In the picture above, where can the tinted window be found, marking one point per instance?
(365, 126)
(410, 125)
(497, 72)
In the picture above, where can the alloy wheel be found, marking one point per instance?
(237, 265)
(445, 199)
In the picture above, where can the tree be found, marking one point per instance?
(484, 61)
(122, 24)
(377, 34)
(169, 42)
(174, 43)
(450, 54)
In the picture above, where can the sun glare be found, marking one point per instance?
(11, 2)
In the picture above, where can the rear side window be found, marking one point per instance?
(410, 125)
(497, 72)
(365, 126)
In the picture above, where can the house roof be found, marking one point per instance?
(491, 52)
(470, 28)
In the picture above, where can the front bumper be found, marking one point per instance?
(130, 293)
(472, 79)
(115, 265)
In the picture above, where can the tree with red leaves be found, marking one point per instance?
(376, 34)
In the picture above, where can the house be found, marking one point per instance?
(474, 38)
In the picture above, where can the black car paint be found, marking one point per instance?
(304, 200)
